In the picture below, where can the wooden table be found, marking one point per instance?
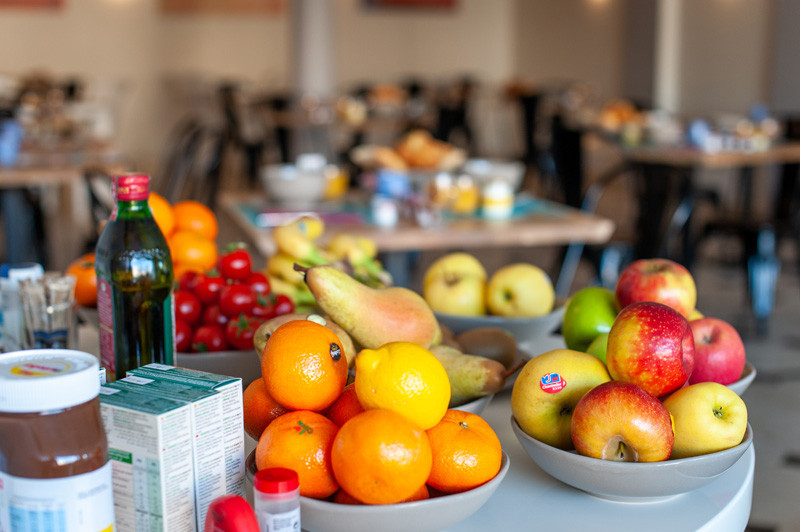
(543, 223)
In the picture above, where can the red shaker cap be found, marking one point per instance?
(276, 480)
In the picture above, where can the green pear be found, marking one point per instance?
(471, 376)
(372, 316)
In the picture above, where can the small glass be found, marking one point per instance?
(48, 309)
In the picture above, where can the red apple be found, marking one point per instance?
(660, 280)
(619, 421)
(718, 352)
(651, 345)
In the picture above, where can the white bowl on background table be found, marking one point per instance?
(524, 330)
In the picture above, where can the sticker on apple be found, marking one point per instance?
(552, 383)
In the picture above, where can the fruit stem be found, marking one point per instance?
(300, 268)
(513, 369)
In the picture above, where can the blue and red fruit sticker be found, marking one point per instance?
(552, 383)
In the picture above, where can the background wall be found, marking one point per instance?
(725, 58)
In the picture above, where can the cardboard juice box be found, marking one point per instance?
(206, 432)
(232, 413)
(150, 446)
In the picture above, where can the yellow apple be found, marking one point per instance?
(707, 417)
(520, 290)
(547, 389)
(456, 284)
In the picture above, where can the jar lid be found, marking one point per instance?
(14, 273)
(40, 380)
(276, 480)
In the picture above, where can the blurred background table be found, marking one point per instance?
(535, 222)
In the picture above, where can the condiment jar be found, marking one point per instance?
(498, 199)
(54, 464)
(276, 495)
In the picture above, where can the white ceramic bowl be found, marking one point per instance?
(631, 482)
(288, 185)
(523, 329)
(430, 515)
(476, 406)
(485, 169)
(747, 378)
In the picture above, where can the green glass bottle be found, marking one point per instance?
(134, 283)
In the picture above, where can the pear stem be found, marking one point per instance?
(300, 268)
(513, 369)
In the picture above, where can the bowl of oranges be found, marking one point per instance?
(382, 452)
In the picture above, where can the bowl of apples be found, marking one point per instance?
(435, 513)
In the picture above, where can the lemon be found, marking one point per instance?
(406, 378)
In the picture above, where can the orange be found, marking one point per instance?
(162, 212)
(301, 440)
(304, 365)
(342, 497)
(189, 247)
(82, 269)
(194, 216)
(259, 408)
(179, 269)
(345, 407)
(380, 457)
(466, 452)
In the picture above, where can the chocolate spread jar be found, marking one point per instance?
(54, 468)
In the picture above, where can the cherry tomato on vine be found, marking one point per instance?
(187, 306)
(264, 307)
(183, 336)
(208, 288)
(259, 282)
(212, 315)
(283, 305)
(240, 330)
(208, 338)
(235, 299)
(188, 280)
(235, 263)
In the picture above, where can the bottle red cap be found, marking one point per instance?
(276, 480)
(132, 187)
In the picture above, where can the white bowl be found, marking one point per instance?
(288, 185)
(484, 170)
(429, 515)
(523, 329)
(631, 482)
(748, 376)
(476, 406)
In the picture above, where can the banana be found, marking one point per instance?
(292, 241)
(311, 226)
(300, 295)
(360, 252)
(281, 265)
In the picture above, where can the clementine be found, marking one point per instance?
(304, 365)
(194, 216)
(342, 497)
(345, 407)
(301, 440)
(82, 269)
(259, 408)
(162, 212)
(380, 457)
(466, 452)
(190, 247)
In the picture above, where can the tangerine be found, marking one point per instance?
(194, 216)
(304, 365)
(466, 452)
(380, 457)
(345, 407)
(301, 440)
(189, 247)
(259, 408)
(82, 269)
(162, 212)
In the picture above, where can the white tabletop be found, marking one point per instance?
(530, 499)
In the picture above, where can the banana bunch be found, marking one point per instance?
(298, 242)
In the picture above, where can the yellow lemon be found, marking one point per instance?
(406, 378)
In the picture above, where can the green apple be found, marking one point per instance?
(707, 417)
(547, 389)
(590, 311)
(520, 290)
(598, 347)
(456, 284)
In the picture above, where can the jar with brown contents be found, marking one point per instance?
(54, 469)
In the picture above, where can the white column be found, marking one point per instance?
(312, 47)
(668, 55)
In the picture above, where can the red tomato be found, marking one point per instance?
(240, 331)
(283, 305)
(208, 288)
(212, 315)
(188, 280)
(187, 306)
(208, 338)
(264, 308)
(259, 282)
(235, 299)
(236, 263)
(183, 336)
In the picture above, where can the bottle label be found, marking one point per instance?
(282, 522)
(105, 315)
(134, 187)
(80, 503)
